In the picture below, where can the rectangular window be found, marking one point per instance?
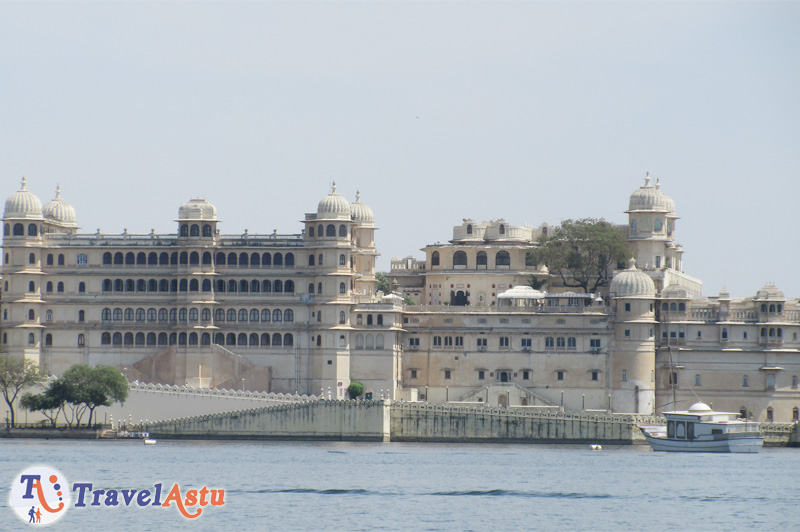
(413, 374)
(413, 342)
(697, 380)
(526, 343)
(504, 342)
(560, 375)
(437, 341)
(627, 307)
(624, 376)
(481, 375)
(447, 374)
(481, 342)
(595, 375)
(459, 341)
(526, 375)
(627, 333)
(448, 341)
(594, 344)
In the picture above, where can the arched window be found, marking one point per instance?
(152, 259)
(288, 286)
(183, 258)
(380, 319)
(141, 258)
(310, 231)
(359, 341)
(459, 259)
(480, 260)
(205, 339)
(139, 338)
(206, 285)
(232, 259)
(32, 230)
(502, 258)
(117, 314)
(206, 230)
(193, 314)
(277, 259)
(369, 319)
(277, 341)
(49, 260)
(19, 230)
(128, 339)
(31, 258)
(116, 339)
(288, 315)
(130, 258)
(81, 287)
(107, 258)
(48, 340)
(230, 339)
(244, 260)
(194, 230)
(130, 285)
(330, 230)
(342, 317)
(310, 288)
(151, 338)
(219, 315)
(319, 259)
(266, 286)
(673, 307)
(311, 260)
(359, 319)
(369, 342)
(253, 339)
(105, 338)
(206, 315)
(342, 288)
(163, 258)
(288, 340)
(105, 314)
(342, 260)
(194, 285)
(194, 258)
(81, 340)
(184, 230)
(560, 342)
(277, 286)
(47, 287)
(254, 315)
(242, 315)
(244, 286)
(184, 284)
(289, 259)
(162, 339)
(378, 341)
(342, 231)
(265, 339)
(231, 315)
(266, 259)
(319, 288)
(140, 314)
(81, 316)
(502, 229)
(255, 286)
(232, 286)
(277, 315)
(265, 315)
(255, 259)
(469, 229)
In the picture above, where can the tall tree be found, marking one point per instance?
(16, 374)
(582, 252)
(86, 387)
(383, 284)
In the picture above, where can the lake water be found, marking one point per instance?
(297, 486)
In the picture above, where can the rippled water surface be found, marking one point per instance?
(400, 487)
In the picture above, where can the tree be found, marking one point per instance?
(355, 390)
(383, 284)
(49, 405)
(582, 252)
(16, 374)
(87, 388)
(536, 284)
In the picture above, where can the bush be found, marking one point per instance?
(355, 390)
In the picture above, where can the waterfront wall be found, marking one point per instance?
(444, 423)
(309, 420)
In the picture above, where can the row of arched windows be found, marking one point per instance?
(360, 319)
(673, 307)
(197, 285)
(19, 230)
(502, 258)
(368, 341)
(560, 342)
(194, 258)
(772, 307)
(150, 339)
(194, 230)
(327, 231)
(184, 315)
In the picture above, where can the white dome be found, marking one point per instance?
(699, 407)
(360, 213)
(58, 210)
(23, 204)
(770, 291)
(650, 198)
(197, 209)
(632, 283)
(675, 291)
(333, 205)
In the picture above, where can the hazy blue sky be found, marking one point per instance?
(436, 111)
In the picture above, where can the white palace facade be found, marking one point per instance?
(300, 312)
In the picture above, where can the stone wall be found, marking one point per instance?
(442, 423)
(309, 420)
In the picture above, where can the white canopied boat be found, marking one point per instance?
(704, 430)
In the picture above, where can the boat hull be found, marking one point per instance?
(733, 443)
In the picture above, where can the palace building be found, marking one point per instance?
(300, 313)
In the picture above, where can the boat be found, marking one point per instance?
(701, 429)
(149, 441)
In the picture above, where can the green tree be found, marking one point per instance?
(16, 374)
(383, 283)
(355, 390)
(582, 252)
(87, 388)
(49, 405)
(408, 300)
(536, 284)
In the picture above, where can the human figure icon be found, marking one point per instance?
(32, 513)
(38, 515)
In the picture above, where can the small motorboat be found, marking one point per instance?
(701, 429)
(149, 441)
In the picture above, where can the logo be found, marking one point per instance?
(40, 495)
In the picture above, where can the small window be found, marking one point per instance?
(697, 381)
(447, 374)
(413, 374)
(627, 307)
(745, 381)
(481, 375)
(560, 375)
(624, 377)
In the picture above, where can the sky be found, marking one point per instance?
(435, 111)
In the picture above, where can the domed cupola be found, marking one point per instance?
(361, 214)
(632, 283)
(23, 204)
(650, 198)
(59, 212)
(197, 209)
(333, 206)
